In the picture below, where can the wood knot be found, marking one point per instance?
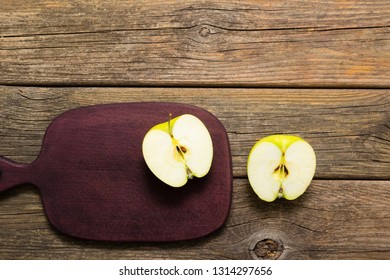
(267, 249)
(204, 31)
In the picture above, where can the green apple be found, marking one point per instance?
(178, 150)
(281, 166)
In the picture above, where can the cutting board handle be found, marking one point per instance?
(13, 174)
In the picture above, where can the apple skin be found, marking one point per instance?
(178, 150)
(281, 166)
(281, 140)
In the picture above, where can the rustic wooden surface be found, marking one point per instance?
(247, 43)
(319, 69)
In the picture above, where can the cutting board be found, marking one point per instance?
(96, 185)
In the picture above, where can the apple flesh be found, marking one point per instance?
(178, 150)
(281, 166)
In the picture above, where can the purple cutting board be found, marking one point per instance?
(96, 185)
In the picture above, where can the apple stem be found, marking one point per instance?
(169, 124)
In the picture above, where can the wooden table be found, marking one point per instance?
(318, 69)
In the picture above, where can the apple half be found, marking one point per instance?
(281, 166)
(178, 150)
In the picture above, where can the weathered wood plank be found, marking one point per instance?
(332, 220)
(349, 129)
(242, 43)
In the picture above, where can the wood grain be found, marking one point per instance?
(348, 129)
(332, 220)
(196, 43)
